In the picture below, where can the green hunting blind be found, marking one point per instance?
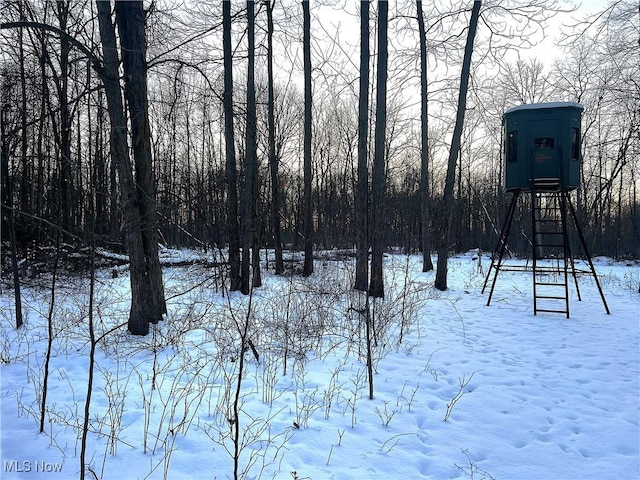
(542, 146)
(542, 157)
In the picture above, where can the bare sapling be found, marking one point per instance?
(390, 443)
(408, 399)
(285, 324)
(306, 405)
(369, 328)
(332, 391)
(92, 352)
(472, 470)
(385, 414)
(45, 374)
(357, 382)
(462, 382)
(248, 439)
(340, 435)
(234, 421)
(115, 392)
(413, 298)
(269, 377)
(365, 315)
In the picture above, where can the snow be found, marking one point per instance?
(525, 397)
(536, 106)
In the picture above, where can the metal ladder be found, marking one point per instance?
(550, 243)
(550, 204)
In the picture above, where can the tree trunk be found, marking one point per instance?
(41, 148)
(7, 200)
(273, 159)
(376, 285)
(130, 18)
(26, 194)
(230, 152)
(447, 199)
(425, 202)
(137, 196)
(256, 220)
(307, 220)
(362, 191)
(101, 183)
(66, 182)
(138, 317)
(249, 221)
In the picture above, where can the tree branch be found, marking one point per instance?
(95, 61)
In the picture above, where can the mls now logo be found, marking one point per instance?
(27, 466)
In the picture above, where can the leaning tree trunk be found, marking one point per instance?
(425, 201)
(230, 153)
(376, 285)
(447, 199)
(307, 219)
(130, 18)
(362, 191)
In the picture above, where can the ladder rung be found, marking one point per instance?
(550, 311)
(544, 284)
(549, 297)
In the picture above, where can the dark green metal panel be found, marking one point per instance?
(542, 146)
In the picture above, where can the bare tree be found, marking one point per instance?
(376, 284)
(25, 203)
(196, 201)
(273, 158)
(447, 198)
(425, 195)
(147, 304)
(7, 196)
(64, 128)
(362, 190)
(249, 222)
(130, 17)
(307, 220)
(527, 82)
(601, 71)
(230, 153)
(147, 291)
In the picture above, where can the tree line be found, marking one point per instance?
(251, 125)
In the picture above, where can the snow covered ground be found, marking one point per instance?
(524, 396)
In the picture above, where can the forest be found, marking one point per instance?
(220, 222)
(242, 126)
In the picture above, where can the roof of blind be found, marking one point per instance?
(537, 106)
